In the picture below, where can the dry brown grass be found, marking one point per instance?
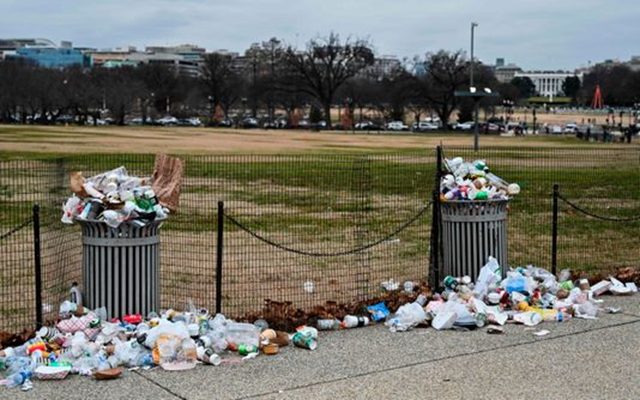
(232, 141)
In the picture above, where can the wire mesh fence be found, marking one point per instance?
(17, 283)
(306, 229)
(601, 180)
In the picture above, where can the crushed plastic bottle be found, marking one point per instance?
(351, 321)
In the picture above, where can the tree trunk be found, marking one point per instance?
(327, 113)
(444, 113)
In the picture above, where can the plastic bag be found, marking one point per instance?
(70, 209)
(489, 275)
(407, 317)
(378, 311)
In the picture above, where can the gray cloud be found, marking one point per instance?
(542, 34)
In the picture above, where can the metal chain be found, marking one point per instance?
(337, 254)
(582, 210)
(16, 229)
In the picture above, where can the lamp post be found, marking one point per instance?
(476, 95)
(476, 131)
(473, 26)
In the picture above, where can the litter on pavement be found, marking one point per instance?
(84, 342)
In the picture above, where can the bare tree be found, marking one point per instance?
(326, 65)
(218, 78)
(446, 73)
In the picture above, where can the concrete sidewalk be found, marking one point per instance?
(581, 359)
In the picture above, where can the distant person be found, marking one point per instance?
(629, 133)
(588, 133)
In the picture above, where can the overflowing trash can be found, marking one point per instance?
(121, 267)
(472, 231)
(473, 204)
(121, 216)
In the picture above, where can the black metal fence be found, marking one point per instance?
(306, 229)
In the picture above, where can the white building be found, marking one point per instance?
(548, 83)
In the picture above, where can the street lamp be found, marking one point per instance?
(473, 26)
(476, 95)
(472, 90)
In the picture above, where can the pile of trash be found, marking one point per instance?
(473, 181)
(83, 342)
(527, 296)
(116, 197)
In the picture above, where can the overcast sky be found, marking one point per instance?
(540, 34)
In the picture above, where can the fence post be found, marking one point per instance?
(220, 249)
(554, 235)
(38, 264)
(434, 276)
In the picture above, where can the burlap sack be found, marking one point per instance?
(167, 180)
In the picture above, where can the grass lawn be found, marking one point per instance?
(328, 203)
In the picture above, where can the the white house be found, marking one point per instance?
(548, 83)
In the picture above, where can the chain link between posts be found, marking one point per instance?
(600, 217)
(270, 242)
(16, 229)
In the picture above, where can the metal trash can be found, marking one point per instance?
(471, 232)
(121, 267)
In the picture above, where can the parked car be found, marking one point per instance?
(225, 123)
(397, 126)
(249, 123)
(139, 121)
(491, 127)
(556, 129)
(367, 126)
(434, 120)
(278, 123)
(189, 122)
(571, 128)
(424, 126)
(98, 121)
(168, 121)
(465, 126)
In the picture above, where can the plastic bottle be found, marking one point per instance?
(554, 315)
(189, 350)
(18, 378)
(327, 324)
(208, 356)
(351, 321)
(408, 287)
(241, 333)
(422, 300)
(76, 294)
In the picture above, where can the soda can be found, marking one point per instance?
(48, 334)
(94, 323)
(450, 282)
(304, 341)
(481, 319)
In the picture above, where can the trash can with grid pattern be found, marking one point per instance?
(121, 267)
(471, 232)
